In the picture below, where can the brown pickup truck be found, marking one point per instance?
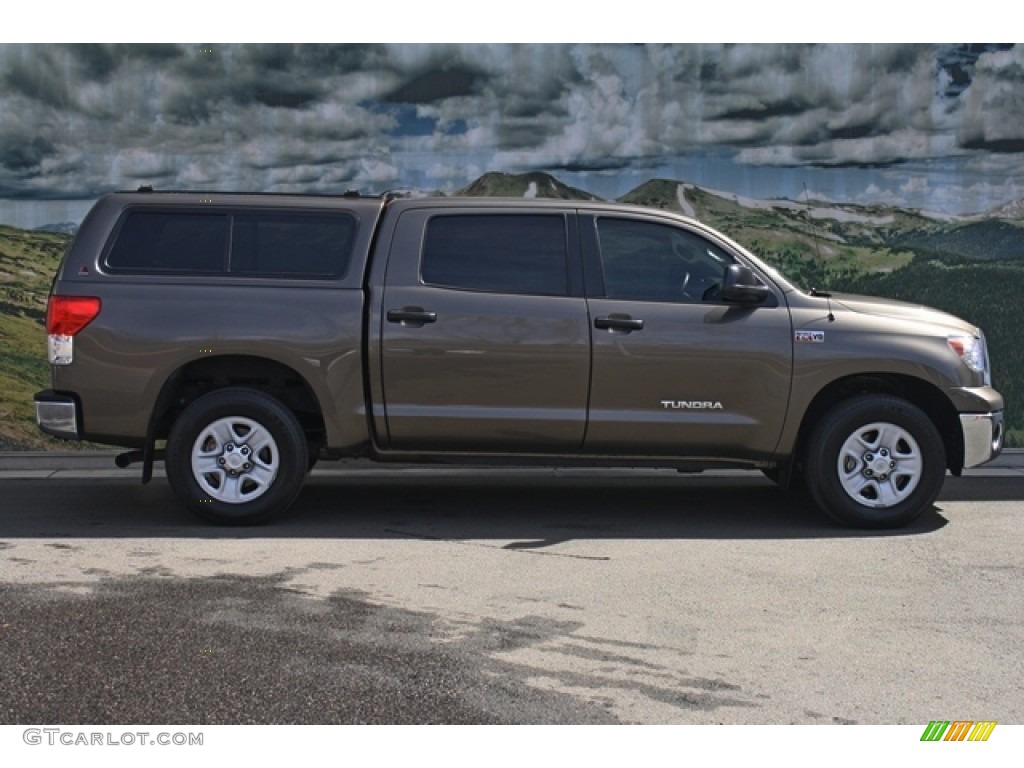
(241, 338)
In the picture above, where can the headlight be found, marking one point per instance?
(974, 353)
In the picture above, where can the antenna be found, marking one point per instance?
(817, 252)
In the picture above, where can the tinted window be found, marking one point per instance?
(654, 262)
(265, 244)
(502, 253)
(171, 242)
(291, 245)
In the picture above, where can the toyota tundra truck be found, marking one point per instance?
(240, 338)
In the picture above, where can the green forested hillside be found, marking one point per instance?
(28, 261)
(977, 241)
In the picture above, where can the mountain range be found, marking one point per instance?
(815, 227)
(60, 228)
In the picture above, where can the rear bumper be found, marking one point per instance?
(57, 414)
(983, 437)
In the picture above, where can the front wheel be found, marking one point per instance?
(875, 461)
(236, 457)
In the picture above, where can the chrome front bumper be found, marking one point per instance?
(983, 437)
(57, 414)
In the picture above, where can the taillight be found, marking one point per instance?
(65, 317)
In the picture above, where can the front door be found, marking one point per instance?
(678, 371)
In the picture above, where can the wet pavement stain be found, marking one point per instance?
(248, 650)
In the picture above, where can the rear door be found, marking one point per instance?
(676, 369)
(485, 342)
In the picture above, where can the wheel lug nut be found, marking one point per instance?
(229, 447)
(868, 472)
(221, 461)
(869, 457)
(247, 465)
(892, 465)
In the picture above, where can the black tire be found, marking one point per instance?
(236, 457)
(875, 461)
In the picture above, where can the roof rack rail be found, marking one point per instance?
(348, 193)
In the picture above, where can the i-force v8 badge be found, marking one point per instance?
(809, 337)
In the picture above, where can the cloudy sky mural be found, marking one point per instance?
(939, 127)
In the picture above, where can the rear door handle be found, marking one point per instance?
(413, 317)
(622, 323)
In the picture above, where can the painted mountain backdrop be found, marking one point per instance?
(917, 126)
(972, 266)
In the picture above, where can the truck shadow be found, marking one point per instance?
(526, 509)
(533, 512)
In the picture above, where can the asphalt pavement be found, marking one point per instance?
(454, 595)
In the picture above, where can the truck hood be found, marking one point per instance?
(901, 310)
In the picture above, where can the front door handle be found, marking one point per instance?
(621, 323)
(412, 317)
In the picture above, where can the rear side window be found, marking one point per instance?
(246, 244)
(290, 245)
(497, 253)
(171, 242)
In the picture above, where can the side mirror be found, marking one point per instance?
(741, 285)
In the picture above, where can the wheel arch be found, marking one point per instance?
(207, 374)
(920, 393)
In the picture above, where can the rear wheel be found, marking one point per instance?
(875, 461)
(236, 457)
